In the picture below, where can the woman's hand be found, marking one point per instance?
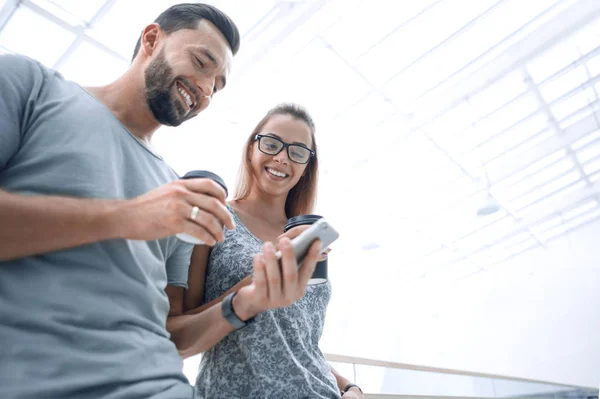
(274, 285)
(295, 232)
(353, 393)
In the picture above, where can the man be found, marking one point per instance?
(88, 214)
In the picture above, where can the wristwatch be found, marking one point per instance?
(229, 313)
(351, 385)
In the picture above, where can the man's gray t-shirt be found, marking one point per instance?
(86, 322)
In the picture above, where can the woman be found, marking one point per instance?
(276, 355)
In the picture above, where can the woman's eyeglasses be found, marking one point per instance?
(272, 146)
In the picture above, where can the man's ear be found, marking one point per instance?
(150, 37)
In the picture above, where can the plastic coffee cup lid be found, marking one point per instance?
(300, 221)
(205, 174)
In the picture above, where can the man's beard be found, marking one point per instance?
(159, 84)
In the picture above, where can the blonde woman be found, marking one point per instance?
(276, 354)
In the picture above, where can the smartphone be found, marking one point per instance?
(320, 230)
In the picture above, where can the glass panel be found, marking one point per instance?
(431, 71)
(90, 66)
(579, 210)
(588, 38)
(594, 177)
(506, 117)
(81, 9)
(345, 369)
(492, 32)
(585, 140)
(246, 14)
(448, 129)
(548, 189)
(566, 107)
(542, 163)
(506, 388)
(541, 228)
(392, 381)
(464, 47)
(504, 251)
(326, 70)
(499, 187)
(486, 235)
(552, 60)
(563, 84)
(592, 166)
(572, 224)
(549, 201)
(354, 43)
(511, 138)
(593, 65)
(538, 179)
(547, 174)
(582, 219)
(379, 67)
(368, 112)
(531, 143)
(580, 114)
(59, 12)
(589, 152)
(131, 20)
(75, 12)
(514, 240)
(47, 48)
(498, 94)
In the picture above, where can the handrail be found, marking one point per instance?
(392, 396)
(405, 366)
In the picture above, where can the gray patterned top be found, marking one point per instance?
(275, 356)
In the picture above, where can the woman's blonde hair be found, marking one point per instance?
(302, 197)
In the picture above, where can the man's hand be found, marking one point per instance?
(274, 286)
(167, 210)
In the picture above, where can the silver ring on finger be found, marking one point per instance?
(194, 213)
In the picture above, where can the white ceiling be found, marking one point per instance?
(425, 111)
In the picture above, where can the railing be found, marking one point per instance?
(384, 396)
(388, 380)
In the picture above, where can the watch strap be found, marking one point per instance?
(229, 313)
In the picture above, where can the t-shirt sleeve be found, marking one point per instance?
(178, 264)
(20, 82)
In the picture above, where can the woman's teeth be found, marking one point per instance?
(276, 173)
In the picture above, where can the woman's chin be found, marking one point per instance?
(274, 190)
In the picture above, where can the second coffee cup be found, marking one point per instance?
(320, 274)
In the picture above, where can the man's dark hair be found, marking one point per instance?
(188, 15)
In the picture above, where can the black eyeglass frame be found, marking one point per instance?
(284, 146)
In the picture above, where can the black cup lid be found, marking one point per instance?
(300, 221)
(205, 174)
